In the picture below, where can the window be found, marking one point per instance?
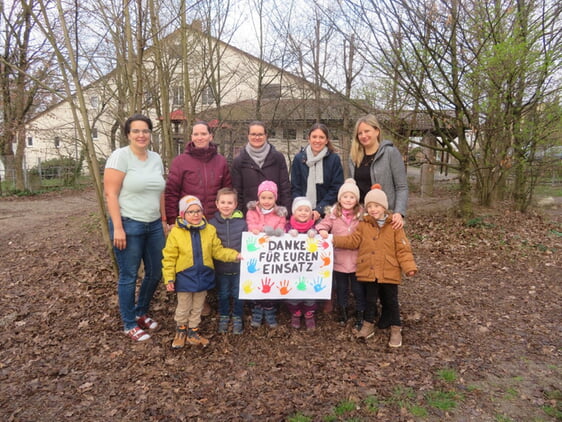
(30, 141)
(94, 101)
(271, 91)
(57, 141)
(177, 95)
(208, 96)
(94, 133)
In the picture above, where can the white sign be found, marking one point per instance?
(286, 267)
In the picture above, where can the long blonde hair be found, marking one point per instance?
(357, 151)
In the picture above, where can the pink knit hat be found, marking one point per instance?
(267, 186)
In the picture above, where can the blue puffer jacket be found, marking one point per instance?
(188, 256)
(229, 231)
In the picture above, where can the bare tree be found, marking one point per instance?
(25, 66)
(447, 54)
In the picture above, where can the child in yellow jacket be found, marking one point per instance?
(188, 267)
(384, 253)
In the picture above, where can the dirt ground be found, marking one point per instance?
(482, 332)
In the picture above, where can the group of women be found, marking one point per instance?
(142, 203)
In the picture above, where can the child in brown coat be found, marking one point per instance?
(384, 253)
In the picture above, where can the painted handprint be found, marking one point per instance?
(301, 285)
(251, 244)
(326, 274)
(311, 245)
(317, 285)
(247, 287)
(325, 259)
(262, 239)
(252, 266)
(284, 288)
(324, 244)
(266, 285)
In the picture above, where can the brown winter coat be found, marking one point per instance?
(384, 253)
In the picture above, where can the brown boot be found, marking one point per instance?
(193, 337)
(395, 336)
(179, 339)
(367, 331)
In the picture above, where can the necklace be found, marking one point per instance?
(368, 160)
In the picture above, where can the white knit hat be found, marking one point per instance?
(377, 195)
(187, 201)
(349, 186)
(300, 201)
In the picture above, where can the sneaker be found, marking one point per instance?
(147, 323)
(223, 324)
(367, 331)
(296, 320)
(395, 336)
(193, 337)
(257, 316)
(270, 317)
(179, 339)
(310, 321)
(237, 325)
(137, 334)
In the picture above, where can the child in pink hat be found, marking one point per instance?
(265, 216)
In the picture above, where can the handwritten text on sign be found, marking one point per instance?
(285, 267)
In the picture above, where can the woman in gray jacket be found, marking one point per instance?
(375, 161)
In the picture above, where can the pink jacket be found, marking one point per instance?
(256, 220)
(345, 260)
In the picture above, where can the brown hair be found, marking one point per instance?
(257, 123)
(324, 129)
(227, 191)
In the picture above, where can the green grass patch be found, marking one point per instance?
(344, 407)
(478, 222)
(443, 400)
(371, 404)
(554, 408)
(447, 374)
(548, 189)
(299, 417)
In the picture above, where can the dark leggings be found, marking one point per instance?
(390, 309)
(343, 281)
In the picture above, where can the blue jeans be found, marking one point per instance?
(228, 286)
(145, 242)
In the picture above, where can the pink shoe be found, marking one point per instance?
(296, 320)
(310, 321)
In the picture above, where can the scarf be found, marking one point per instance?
(315, 172)
(347, 215)
(301, 227)
(258, 154)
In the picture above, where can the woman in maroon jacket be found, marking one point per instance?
(259, 161)
(200, 171)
